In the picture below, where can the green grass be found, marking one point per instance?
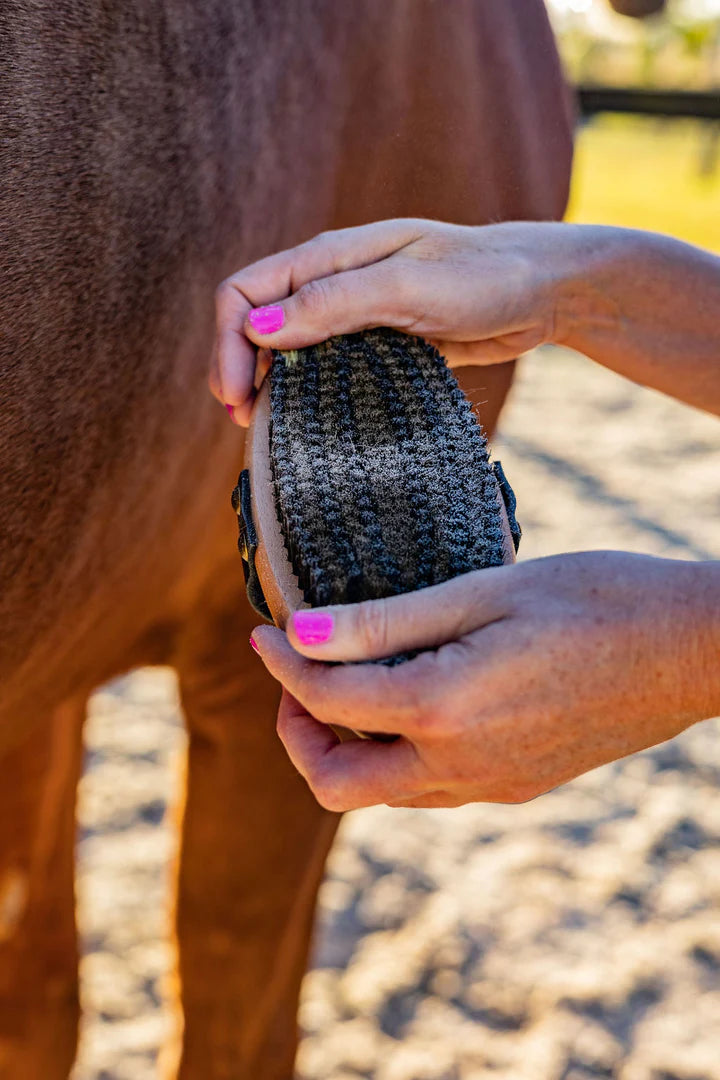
(647, 173)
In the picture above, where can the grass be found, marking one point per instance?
(648, 174)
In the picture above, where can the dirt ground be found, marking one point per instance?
(572, 938)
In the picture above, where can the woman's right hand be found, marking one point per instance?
(481, 294)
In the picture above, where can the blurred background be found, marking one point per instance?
(572, 938)
(678, 50)
(652, 160)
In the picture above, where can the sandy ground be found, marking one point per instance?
(572, 938)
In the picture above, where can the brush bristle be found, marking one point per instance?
(382, 478)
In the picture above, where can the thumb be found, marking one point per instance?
(424, 619)
(342, 303)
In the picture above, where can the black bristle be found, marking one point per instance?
(382, 478)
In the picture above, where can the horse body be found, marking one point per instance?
(140, 167)
(149, 150)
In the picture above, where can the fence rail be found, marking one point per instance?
(596, 99)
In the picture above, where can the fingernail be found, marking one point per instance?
(230, 411)
(266, 320)
(252, 642)
(313, 627)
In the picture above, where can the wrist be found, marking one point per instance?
(589, 266)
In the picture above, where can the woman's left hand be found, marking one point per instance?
(535, 673)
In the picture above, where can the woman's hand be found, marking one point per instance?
(483, 295)
(538, 672)
(639, 303)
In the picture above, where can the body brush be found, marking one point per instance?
(366, 475)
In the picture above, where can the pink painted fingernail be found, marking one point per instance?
(230, 411)
(313, 627)
(252, 642)
(266, 320)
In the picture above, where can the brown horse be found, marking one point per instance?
(148, 150)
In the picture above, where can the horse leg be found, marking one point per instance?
(39, 1008)
(487, 388)
(254, 843)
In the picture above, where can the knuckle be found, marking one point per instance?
(372, 627)
(423, 707)
(313, 297)
(328, 792)
(441, 719)
(214, 384)
(232, 294)
(321, 691)
(400, 281)
(311, 690)
(432, 720)
(283, 725)
(430, 709)
(322, 239)
(403, 279)
(223, 292)
(220, 296)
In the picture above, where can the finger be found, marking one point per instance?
(347, 775)
(235, 353)
(278, 276)
(399, 700)
(423, 619)
(341, 303)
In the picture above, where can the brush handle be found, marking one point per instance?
(279, 584)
